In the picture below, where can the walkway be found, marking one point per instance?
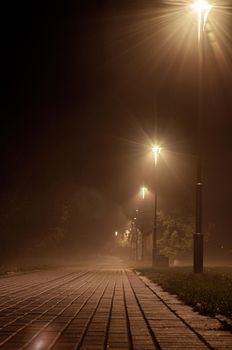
(100, 308)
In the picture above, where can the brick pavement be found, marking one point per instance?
(100, 308)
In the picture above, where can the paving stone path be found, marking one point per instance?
(100, 308)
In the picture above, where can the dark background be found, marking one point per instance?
(85, 84)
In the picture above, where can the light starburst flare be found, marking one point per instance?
(203, 9)
(156, 151)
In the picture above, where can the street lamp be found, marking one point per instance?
(143, 192)
(155, 151)
(202, 9)
(134, 237)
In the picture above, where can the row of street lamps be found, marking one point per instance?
(202, 9)
(197, 246)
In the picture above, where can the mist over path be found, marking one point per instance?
(100, 305)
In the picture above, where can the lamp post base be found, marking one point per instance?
(198, 253)
(159, 261)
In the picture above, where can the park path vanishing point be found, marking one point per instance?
(105, 307)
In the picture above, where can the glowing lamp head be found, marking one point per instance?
(156, 151)
(143, 192)
(201, 6)
(116, 233)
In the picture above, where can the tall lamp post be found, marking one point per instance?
(155, 151)
(202, 9)
(134, 238)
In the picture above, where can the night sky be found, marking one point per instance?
(85, 85)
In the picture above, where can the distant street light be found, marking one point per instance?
(134, 238)
(202, 9)
(143, 192)
(116, 233)
(156, 151)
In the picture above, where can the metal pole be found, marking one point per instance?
(142, 232)
(142, 246)
(154, 240)
(198, 235)
(198, 240)
(142, 226)
(132, 239)
(136, 244)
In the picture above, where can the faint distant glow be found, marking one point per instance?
(203, 9)
(156, 151)
(116, 233)
(135, 218)
(143, 192)
(137, 210)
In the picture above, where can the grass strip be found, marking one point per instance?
(209, 293)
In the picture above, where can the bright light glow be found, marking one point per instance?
(166, 36)
(116, 233)
(156, 151)
(143, 192)
(202, 5)
(202, 8)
